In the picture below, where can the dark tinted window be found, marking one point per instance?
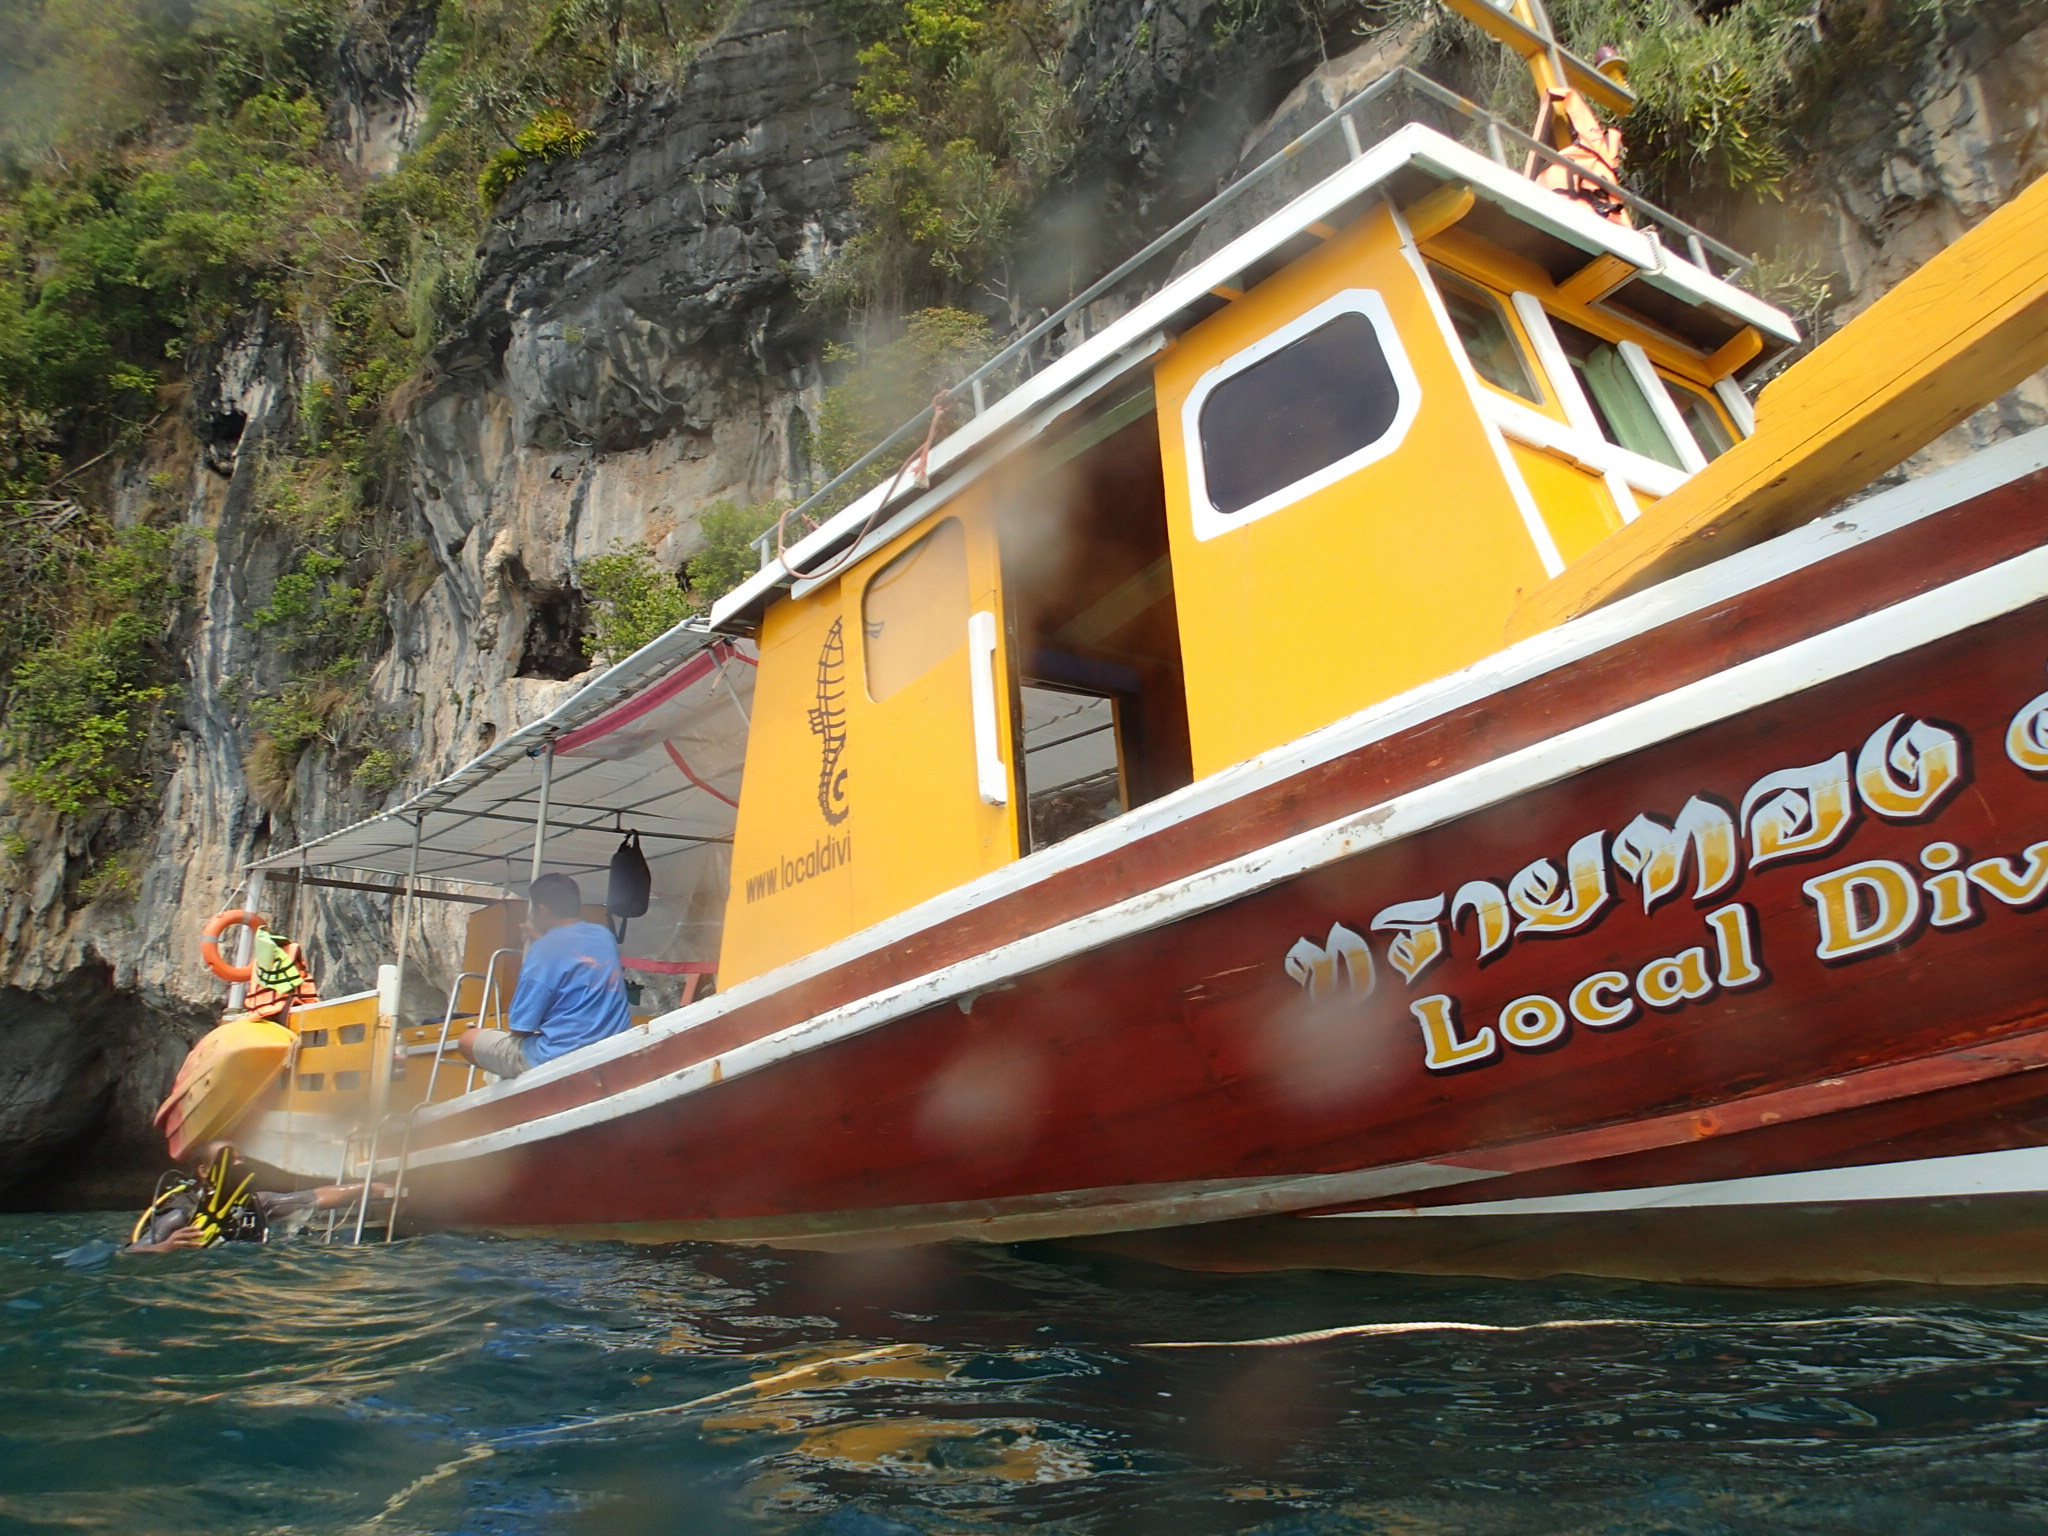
(1296, 411)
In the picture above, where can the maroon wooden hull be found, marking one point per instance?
(1754, 890)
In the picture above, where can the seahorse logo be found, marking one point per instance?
(828, 723)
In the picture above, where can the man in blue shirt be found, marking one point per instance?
(571, 989)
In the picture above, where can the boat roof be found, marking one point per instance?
(1675, 289)
(653, 745)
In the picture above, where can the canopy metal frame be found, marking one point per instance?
(547, 803)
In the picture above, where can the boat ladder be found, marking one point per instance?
(370, 1135)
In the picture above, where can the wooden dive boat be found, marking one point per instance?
(1367, 757)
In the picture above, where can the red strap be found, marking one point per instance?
(696, 669)
(690, 774)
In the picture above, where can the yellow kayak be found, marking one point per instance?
(222, 1076)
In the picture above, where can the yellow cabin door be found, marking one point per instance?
(879, 771)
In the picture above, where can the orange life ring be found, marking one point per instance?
(209, 944)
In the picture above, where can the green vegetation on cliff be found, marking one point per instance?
(87, 687)
(172, 177)
(1726, 86)
(633, 599)
(970, 121)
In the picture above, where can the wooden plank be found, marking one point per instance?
(1967, 326)
(1600, 277)
(1986, 1112)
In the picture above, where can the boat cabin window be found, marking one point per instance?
(1626, 416)
(1703, 418)
(1481, 324)
(1313, 400)
(914, 611)
(1101, 698)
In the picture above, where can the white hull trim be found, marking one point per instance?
(2023, 1171)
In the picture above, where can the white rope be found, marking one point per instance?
(1377, 1330)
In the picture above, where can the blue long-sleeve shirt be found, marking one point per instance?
(571, 992)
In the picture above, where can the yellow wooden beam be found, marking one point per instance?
(1596, 279)
(1504, 27)
(1434, 212)
(1738, 351)
(1962, 330)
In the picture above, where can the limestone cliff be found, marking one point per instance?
(638, 347)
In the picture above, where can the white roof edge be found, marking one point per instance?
(649, 664)
(1413, 144)
(1661, 266)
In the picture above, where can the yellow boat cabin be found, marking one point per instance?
(1320, 467)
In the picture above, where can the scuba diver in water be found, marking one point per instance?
(214, 1204)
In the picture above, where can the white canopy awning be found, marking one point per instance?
(654, 746)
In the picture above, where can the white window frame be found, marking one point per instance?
(1743, 421)
(1579, 437)
(1209, 522)
(1736, 398)
(1663, 407)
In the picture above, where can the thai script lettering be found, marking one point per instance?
(1905, 771)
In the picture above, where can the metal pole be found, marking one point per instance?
(387, 1012)
(1540, 17)
(340, 1177)
(540, 824)
(412, 880)
(386, 1040)
(245, 944)
(732, 693)
(387, 1021)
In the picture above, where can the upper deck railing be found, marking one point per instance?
(1395, 99)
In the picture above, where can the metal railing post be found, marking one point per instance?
(245, 942)
(540, 823)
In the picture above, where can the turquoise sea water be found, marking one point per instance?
(459, 1384)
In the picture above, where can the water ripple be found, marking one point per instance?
(458, 1384)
